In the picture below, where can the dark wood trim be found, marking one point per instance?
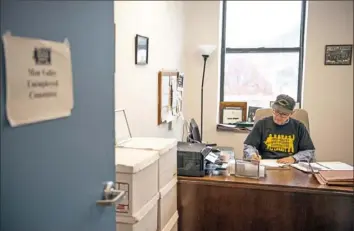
(297, 203)
(277, 188)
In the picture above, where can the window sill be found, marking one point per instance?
(233, 130)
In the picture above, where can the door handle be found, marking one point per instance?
(110, 195)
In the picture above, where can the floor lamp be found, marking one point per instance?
(206, 51)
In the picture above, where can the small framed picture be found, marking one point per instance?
(338, 54)
(232, 112)
(252, 113)
(141, 50)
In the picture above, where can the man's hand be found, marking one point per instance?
(255, 157)
(286, 160)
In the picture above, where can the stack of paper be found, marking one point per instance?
(305, 167)
(273, 164)
(336, 165)
(318, 166)
(338, 177)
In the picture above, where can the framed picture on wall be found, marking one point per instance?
(232, 112)
(338, 54)
(251, 113)
(141, 50)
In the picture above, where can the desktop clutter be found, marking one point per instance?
(195, 158)
(198, 159)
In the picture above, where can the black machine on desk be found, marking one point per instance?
(192, 158)
(194, 155)
(196, 159)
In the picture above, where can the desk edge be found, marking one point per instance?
(269, 187)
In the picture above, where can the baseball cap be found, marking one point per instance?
(284, 104)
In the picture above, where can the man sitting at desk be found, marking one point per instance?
(279, 136)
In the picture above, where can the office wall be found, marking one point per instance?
(331, 126)
(328, 90)
(136, 86)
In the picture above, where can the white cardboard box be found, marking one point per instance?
(172, 224)
(167, 204)
(144, 220)
(167, 149)
(137, 174)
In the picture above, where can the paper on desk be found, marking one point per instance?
(336, 165)
(271, 163)
(304, 166)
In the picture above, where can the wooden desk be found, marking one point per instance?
(286, 200)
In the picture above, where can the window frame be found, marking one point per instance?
(225, 50)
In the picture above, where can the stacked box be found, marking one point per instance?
(172, 224)
(167, 205)
(137, 175)
(167, 149)
(144, 220)
(167, 176)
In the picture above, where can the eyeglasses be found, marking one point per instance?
(283, 115)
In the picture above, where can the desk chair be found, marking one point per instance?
(194, 134)
(299, 114)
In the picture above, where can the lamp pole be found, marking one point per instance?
(205, 57)
(205, 51)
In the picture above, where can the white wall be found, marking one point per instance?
(202, 28)
(328, 90)
(328, 23)
(136, 86)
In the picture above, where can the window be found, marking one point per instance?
(262, 49)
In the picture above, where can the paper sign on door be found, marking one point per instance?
(38, 80)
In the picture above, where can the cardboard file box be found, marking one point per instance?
(143, 220)
(167, 205)
(172, 224)
(167, 149)
(137, 174)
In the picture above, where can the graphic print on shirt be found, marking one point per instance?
(280, 143)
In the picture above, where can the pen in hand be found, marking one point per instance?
(256, 157)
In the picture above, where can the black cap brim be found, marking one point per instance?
(281, 109)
